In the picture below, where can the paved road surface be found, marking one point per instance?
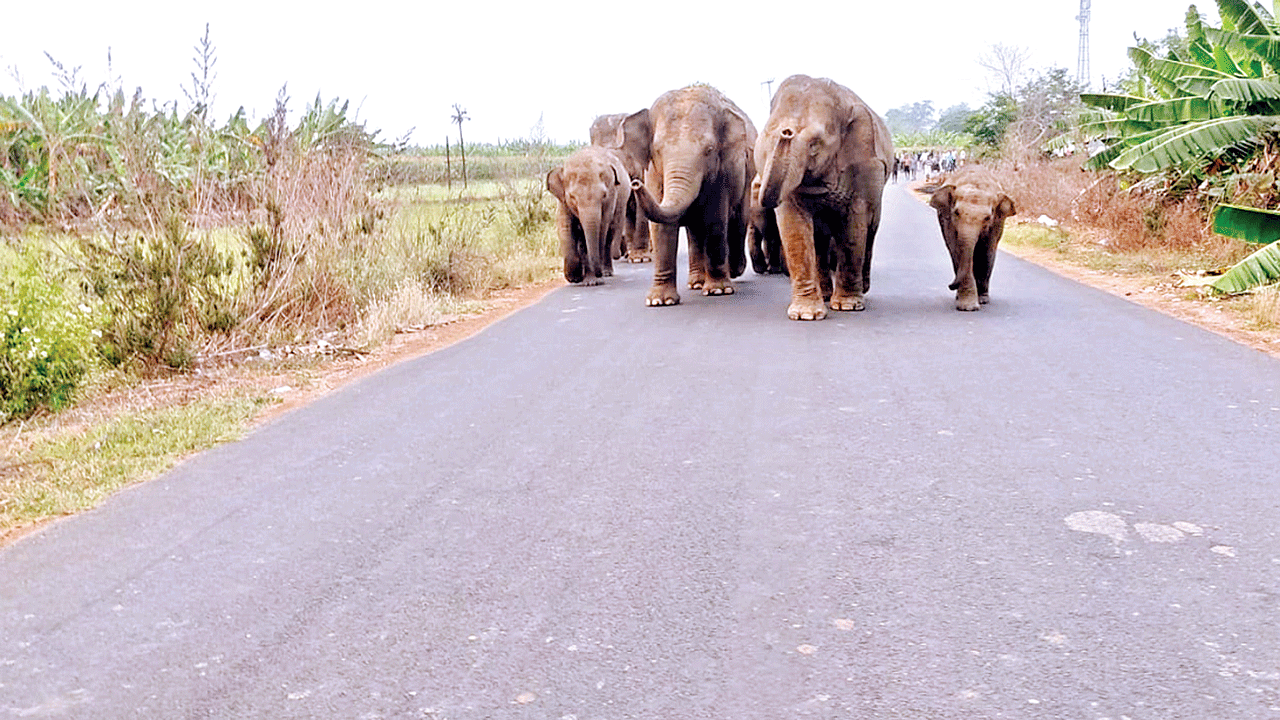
(1063, 506)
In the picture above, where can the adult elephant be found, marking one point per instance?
(635, 239)
(824, 158)
(698, 146)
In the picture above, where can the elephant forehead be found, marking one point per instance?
(977, 198)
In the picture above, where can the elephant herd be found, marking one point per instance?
(802, 197)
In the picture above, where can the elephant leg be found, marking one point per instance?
(872, 228)
(851, 254)
(637, 233)
(756, 238)
(617, 232)
(666, 239)
(736, 237)
(965, 286)
(711, 238)
(569, 245)
(795, 225)
(756, 248)
(697, 259)
(984, 261)
(773, 245)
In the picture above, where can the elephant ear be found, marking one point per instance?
(555, 182)
(738, 131)
(1004, 207)
(944, 198)
(635, 137)
(944, 201)
(865, 137)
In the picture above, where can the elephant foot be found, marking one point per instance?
(983, 299)
(967, 304)
(717, 287)
(660, 295)
(853, 303)
(608, 272)
(592, 281)
(696, 282)
(807, 309)
(640, 258)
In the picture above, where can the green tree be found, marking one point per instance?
(953, 118)
(989, 123)
(914, 118)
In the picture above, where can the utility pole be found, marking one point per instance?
(458, 116)
(1082, 63)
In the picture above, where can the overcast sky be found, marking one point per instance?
(510, 63)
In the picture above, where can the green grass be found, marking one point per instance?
(64, 475)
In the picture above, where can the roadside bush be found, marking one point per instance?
(46, 343)
(160, 293)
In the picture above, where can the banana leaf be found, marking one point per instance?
(1253, 225)
(1265, 47)
(1166, 74)
(1174, 111)
(1246, 17)
(1248, 91)
(1260, 268)
(1190, 143)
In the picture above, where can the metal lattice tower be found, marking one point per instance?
(1082, 62)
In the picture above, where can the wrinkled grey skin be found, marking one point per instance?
(824, 158)
(593, 188)
(697, 146)
(634, 242)
(972, 208)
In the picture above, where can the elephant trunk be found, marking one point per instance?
(592, 227)
(964, 279)
(776, 170)
(680, 187)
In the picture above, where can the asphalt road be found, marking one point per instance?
(1062, 506)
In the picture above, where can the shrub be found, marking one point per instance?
(46, 345)
(160, 293)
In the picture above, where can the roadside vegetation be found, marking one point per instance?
(147, 246)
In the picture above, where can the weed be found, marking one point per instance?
(46, 343)
(160, 293)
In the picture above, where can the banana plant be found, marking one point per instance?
(1221, 95)
(1255, 226)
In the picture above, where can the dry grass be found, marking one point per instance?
(1122, 226)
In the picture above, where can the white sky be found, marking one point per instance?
(506, 63)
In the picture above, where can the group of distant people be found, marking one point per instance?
(930, 162)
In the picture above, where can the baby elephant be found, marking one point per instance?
(593, 188)
(972, 209)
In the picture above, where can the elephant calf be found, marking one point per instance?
(972, 208)
(593, 189)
